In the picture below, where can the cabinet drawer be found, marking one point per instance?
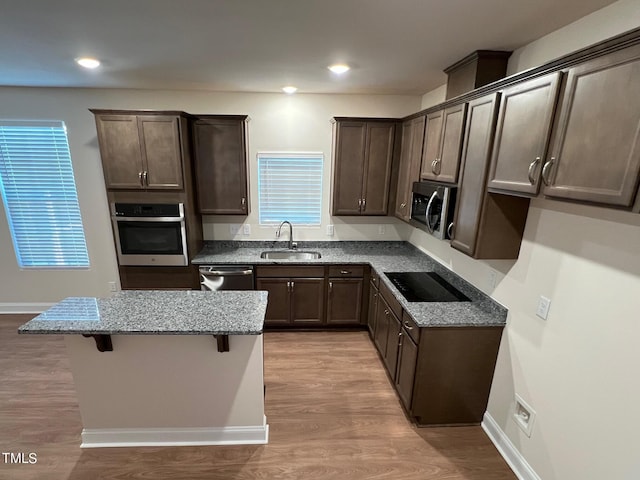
(391, 299)
(290, 271)
(410, 327)
(346, 271)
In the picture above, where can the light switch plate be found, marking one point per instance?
(381, 229)
(246, 229)
(330, 230)
(543, 307)
(234, 228)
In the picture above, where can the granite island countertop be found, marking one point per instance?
(383, 257)
(140, 312)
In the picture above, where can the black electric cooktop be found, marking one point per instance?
(425, 287)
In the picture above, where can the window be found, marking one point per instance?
(39, 195)
(290, 188)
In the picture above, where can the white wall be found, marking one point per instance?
(278, 122)
(577, 368)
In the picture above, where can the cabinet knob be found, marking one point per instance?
(243, 201)
(145, 178)
(532, 168)
(359, 203)
(386, 312)
(140, 179)
(546, 170)
(364, 203)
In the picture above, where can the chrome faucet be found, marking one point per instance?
(292, 244)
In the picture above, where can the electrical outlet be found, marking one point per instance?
(113, 287)
(493, 278)
(543, 307)
(246, 229)
(234, 228)
(523, 415)
(381, 229)
(330, 230)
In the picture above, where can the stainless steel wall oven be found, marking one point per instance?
(150, 234)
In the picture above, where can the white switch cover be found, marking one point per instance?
(543, 307)
(113, 287)
(381, 229)
(234, 228)
(330, 230)
(246, 229)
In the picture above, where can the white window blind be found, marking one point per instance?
(39, 195)
(290, 188)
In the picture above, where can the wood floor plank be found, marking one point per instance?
(332, 412)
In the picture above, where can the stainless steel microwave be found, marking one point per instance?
(150, 234)
(432, 208)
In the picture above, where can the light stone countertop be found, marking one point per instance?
(156, 312)
(383, 257)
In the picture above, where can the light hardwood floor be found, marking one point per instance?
(332, 411)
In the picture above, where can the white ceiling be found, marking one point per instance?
(393, 46)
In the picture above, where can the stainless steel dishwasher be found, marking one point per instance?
(226, 277)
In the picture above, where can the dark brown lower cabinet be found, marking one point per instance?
(159, 278)
(373, 308)
(344, 304)
(442, 374)
(293, 301)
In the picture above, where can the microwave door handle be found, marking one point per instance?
(428, 211)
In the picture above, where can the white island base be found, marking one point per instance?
(169, 390)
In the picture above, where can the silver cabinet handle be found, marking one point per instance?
(293, 284)
(231, 273)
(330, 287)
(145, 176)
(364, 203)
(434, 195)
(402, 205)
(140, 179)
(532, 168)
(407, 326)
(345, 272)
(433, 167)
(386, 312)
(359, 203)
(450, 230)
(546, 170)
(288, 286)
(243, 201)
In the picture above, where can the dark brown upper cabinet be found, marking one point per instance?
(221, 164)
(486, 225)
(443, 144)
(140, 151)
(362, 169)
(595, 153)
(409, 168)
(522, 135)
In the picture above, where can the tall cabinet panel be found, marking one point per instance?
(161, 154)
(120, 151)
(221, 165)
(362, 168)
(443, 143)
(409, 169)
(595, 155)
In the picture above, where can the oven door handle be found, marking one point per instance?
(149, 219)
(428, 211)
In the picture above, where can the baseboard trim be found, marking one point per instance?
(507, 449)
(174, 437)
(18, 308)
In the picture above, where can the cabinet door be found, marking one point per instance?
(383, 315)
(348, 168)
(393, 344)
(475, 156)
(161, 152)
(596, 152)
(407, 358)
(373, 309)
(279, 302)
(377, 169)
(431, 147)
(221, 166)
(446, 166)
(403, 199)
(522, 135)
(307, 300)
(120, 151)
(345, 301)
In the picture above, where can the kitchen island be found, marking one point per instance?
(164, 368)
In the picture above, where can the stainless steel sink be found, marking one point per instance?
(290, 255)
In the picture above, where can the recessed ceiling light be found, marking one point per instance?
(339, 68)
(289, 89)
(88, 62)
